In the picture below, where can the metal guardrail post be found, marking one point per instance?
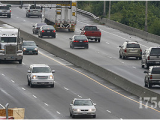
(6, 107)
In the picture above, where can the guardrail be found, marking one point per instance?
(88, 14)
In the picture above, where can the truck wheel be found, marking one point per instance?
(99, 39)
(20, 61)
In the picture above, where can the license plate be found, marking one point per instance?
(84, 113)
(48, 31)
(157, 62)
(30, 51)
(80, 41)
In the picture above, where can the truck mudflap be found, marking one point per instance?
(70, 29)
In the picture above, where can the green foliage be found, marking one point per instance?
(131, 13)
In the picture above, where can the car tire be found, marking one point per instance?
(149, 85)
(137, 58)
(120, 55)
(73, 116)
(94, 116)
(123, 57)
(36, 53)
(147, 66)
(142, 66)
(28, 82)
(140, 58)
(86, 47)
(26, 15)
(95, 39)
(31, 85)
(70, 114)
(52, 86)
(99, 40)
(20, 61)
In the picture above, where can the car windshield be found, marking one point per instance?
(40, 24)
(80, 37)
(156, 71)
(4, 7)
(155, 51)
(8, 39)
(41, 70)
(47, 27)
(82, 103)
(33, 7)
(90, 28)
(133, 45)
(29, 44)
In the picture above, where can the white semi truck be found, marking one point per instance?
(61, 16)
(10, 44)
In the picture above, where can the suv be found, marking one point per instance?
(82, 107)
(5, 11)
(130, 49)
(152, 77)
(33, 10)
(40, 74)
(151, 57)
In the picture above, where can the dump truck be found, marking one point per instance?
(10, 44)
(61, 16)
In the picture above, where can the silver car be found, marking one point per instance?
(151, 57)
(83, 107)
(40, 74)
(152, 76)
(33, 10)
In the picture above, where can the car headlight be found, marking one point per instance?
(92, 110)
(34, 77)
(24, 49)
(36, 49)
(51, 77)
(78, 110)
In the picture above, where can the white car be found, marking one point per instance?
(83, 107)
(40, 74)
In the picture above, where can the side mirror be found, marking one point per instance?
(120, 46)
(94, 104)
(53, 71)
(37, 45)
(80, 29)
(145, 71)
(33, 26)
(29, 71)
(70, 38)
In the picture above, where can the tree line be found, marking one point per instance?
(131, 13)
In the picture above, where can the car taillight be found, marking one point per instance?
(85, 33)
(54, 31)
(10, 11)
(150, 76)
(42, 30)
(148, 57)
(125, 50)
(75, 41)
(100, 33)
(141, 50)
(28, 10)
(85, 41)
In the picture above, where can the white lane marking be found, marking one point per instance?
(107, 42)
(110, 57)
(122, 62)
(121, 119)
(108, 111)
(2, 106)
(79, 96)
(24, 20)
(12, 81)
(58, 112)
(82, 22)
(134, 67)
(3, 75)
(23, 63)
(23, 88)
(66, 88)
(46, 104)
(34, 96)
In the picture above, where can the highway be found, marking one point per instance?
(112, 102)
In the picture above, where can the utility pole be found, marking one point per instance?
(109, 10)
(104, 8)
(146, 12)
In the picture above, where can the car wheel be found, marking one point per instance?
(73, 116)
(70, 114)
(149, 85)
(137, 58)
(147, 66)
(99, 40)
(37, 53)
(145, 83)
(28, 82)
(142, 66)
(96, 39)
(94, 116)
(31, 85)
(87, 47)
(140, 58)
(20, 61)
(120, 55)
(123, 57)
(52, 86)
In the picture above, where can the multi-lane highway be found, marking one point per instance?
(71, 82)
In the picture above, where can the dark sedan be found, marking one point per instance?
(79, 41)
(29, 47)
(47, 30)
(36, 27)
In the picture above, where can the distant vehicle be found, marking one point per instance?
(152, 76)
(33, 10)
(151, 57)
(82, 107)
(47, 30)
(5, 11)
(79, 41)
(130, 49)
(61, 16)
(91, 32)
(29, 47)
(36, 27)
(40, 74)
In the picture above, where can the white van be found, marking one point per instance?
(33, 10)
